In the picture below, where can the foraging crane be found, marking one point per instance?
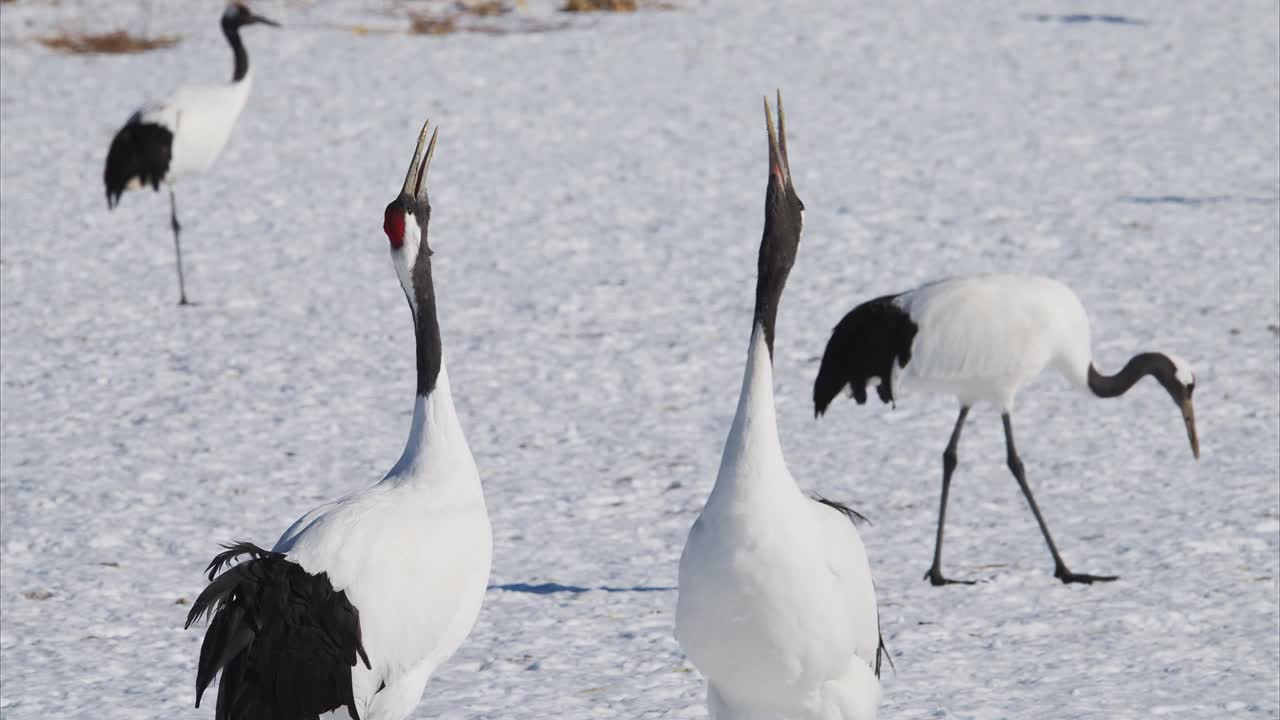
(981, 338)
(184, 134)
(776, 605)
(362, 599)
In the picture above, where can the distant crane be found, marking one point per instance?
(184, 134)
(363, 598)
(777, 607)
(981, 338)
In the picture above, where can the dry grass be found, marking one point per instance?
(473, 16)
(484, 8)
(112, 43)
(423, 24)
(599, 6)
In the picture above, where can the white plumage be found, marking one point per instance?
(201, 119)
(409, 557)
(182, 135)
(981, 339)
(777, 607)
(413, 555)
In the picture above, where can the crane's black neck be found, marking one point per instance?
(1157, 365)
(777, 254)
(426, 324)
(232, 31)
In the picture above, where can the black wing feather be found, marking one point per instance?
(139, 150)
(284, 640)
(882, 651)
(856, 517)
(853, 516)
(864, 345)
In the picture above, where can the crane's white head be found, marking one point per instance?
(406, 218)
(1175, 376)
(1180, 382)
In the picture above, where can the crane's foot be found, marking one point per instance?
(935, 578)
(1068, 577)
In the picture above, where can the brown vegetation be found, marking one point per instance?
(424, 24)
(599, 6)
(118, 42)
(474, 16)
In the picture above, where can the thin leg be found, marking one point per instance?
(1019, 473)
(177, 245)
(949, 460)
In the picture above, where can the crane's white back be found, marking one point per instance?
(982, 337)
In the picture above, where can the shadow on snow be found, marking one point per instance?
(552, 588)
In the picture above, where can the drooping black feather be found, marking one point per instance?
(882, 651)
(140, 150)
(864, 345)
(854, 516)
(283, 639)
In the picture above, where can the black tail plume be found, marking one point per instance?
(283, 639)
(140, 150)
(864, 345)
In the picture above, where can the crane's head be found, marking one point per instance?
(783, 223)
(783, 210)
(405, 219)
(1179, 381)
(237, 15)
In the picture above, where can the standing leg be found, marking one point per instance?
(177, 246)
(949, 460)
(1019, 473)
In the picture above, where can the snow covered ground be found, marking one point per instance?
(598, 203)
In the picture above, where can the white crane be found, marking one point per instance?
(362, 599)
(184, 134)
(981, 338)
(776, 607)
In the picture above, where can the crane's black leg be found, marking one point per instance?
(1019, 473)
(949, 460)
(177, 245)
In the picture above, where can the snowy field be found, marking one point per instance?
(598, 199)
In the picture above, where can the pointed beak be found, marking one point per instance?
(1189, 417)
(415, 182)
(777, 143)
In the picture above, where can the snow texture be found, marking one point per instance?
(597, 195)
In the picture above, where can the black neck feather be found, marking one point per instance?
(232, 31)
(777, 254)
(426, 324)
(768, 293)
(1156, 365)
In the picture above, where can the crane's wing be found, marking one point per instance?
(284, 640)
(865, 345)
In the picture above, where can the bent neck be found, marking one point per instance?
(752, 462)
(1139, 366)
(232, 32)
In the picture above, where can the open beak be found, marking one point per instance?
(1189, 417)
(778, 164)
(256, 18)
(415, 182)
